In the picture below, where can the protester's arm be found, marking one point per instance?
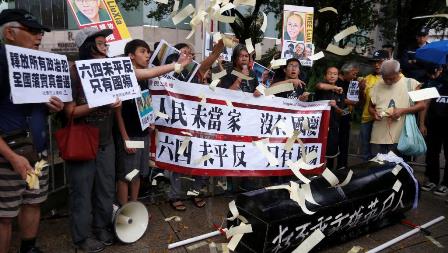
(214, 55)
(422, 118)
(122, 128)
(373, 112)
(350, 102)
(84, 110)
(55, 104)
(19, 163)
(145, 74)
(330, 87)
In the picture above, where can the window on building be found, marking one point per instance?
(52, 13)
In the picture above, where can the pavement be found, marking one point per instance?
(54, 236)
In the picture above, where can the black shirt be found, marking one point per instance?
(246, 85)
(130, 116)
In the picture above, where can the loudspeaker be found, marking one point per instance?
(130, 222)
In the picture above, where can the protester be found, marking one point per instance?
(389, 104)
(413, 68)
(366, 86)
(19, 28)
(240, 62)
(328, 90)
(292, 72)
(290, 52)
(300, 48)
(349, 71)
(294, 27)
(90, 11)
(433, 124)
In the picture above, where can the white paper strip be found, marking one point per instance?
(162, 115)
(198, 245)
(397, 186)
(346, 32)
(249, 46)
(192, 193)
(290, 141)
(397, 169)
(241, 229)
(261, 89)
(328, 9)
(131, 175)
(234, 242)
(275, 64)
(175, 8)
(330, 177)
(186, 133)
(135, 144)
(317, 56)
(265, 22)
(203, 159)
(258, 51)
(279, 89)
(226, 7)
(229, 103)
(234, 210)
(347, 179)
(433, 16)
(310, 242)
(296, 170)
(175, 218)
(225, 19)
(241, 75)
(278, 187)
(308, 194)
(214, 83)
(423, 94)
(184, 145)
(245, 2)
(264, 150)
(219, 75)
(183, 14)
(339, 51)
(162, 1)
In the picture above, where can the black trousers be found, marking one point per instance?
(437, 136)
(343, 140)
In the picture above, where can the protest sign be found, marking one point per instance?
(208, 48)
(166, 54)
(264, 75)
(35, 76)
(145, 112)
(102, 14)
(298, 33)
(105, 80)
(353, 91)
(224, 126)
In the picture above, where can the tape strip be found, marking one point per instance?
(296, 170)
(330, 177)
(183, 14)
(397, 169)
(219, 75)
(249, 45)
(135, 144)
(131, 175)
(397, 186)
(328, 9)
(346, 32)
(241, 229)
(339, 51)
(184, 145)
(279, 89)
(241, 75)
(310, 242)
(162, 115)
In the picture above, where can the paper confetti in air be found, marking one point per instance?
(329, 9)
(186, 133)
(339, 51)
(192, 193)
(258, 51)
(284, 87)
(275, 64)
(346, 32)
(249, 46)
(183, 14)
(131, 175)
(265, 23)
(162, 115)
(330, 177)
(217, 76)
(317, 56)
(162, 1)
(432, 16)
(310, 242)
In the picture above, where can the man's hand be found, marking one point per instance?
(337, 89)
(304, 97)
(397, 113)
(332, 103)
(55, 104)
(423, 129)
(184, 60)
(20, 165)
(116, 104)
(128, 150)
(298, 83)
(377, 116)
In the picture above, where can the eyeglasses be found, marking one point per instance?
(293, 66)
(30, 30)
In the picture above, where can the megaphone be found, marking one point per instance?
(130, 222)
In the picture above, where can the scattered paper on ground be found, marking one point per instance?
(423, 94)
(356, 249)
(339, 51)
(175, 218)
(329, 9)
(346, 32)
(192, 193)
(310, 242)
(258, 51)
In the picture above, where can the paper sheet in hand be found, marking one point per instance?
(345, 33)
(183, 14)
(279, 89)
(135, 144)
(423, 94)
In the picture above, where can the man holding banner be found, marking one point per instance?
(19, 28)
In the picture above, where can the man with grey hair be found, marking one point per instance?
(20, 28)
(389, 105)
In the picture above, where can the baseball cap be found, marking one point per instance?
(23, 17)
(90, 32)
(380, 55)
(424, 31)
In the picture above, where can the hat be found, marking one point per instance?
(90, 32)
(424, 31)
(380, 55)
(23, 17)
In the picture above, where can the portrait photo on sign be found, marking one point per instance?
(167, 54)
(89, 12)
(209, 44)
(264, 75)
(144, 104)
(293, 26)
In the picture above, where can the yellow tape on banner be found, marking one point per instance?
(118, 19)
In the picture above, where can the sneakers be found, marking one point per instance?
(442, 190)
(428, 186)
(105, 237)
(90, 245)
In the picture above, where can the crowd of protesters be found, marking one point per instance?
(95, 185)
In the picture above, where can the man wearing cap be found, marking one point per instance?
(20, 28)
(366, 85)
(411, 67)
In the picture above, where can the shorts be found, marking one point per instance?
(14, 192)
(129, 162)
